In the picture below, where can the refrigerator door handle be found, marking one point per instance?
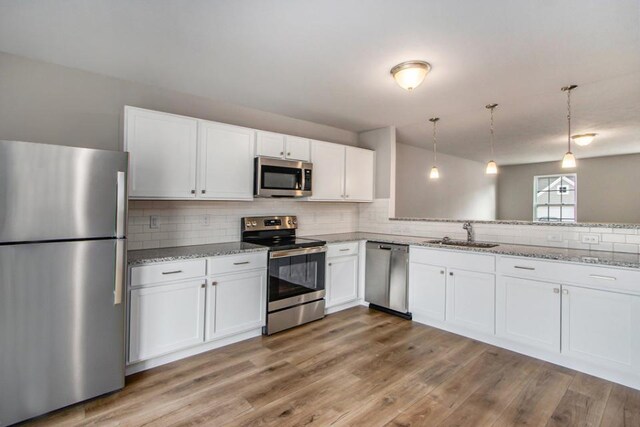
(121, 203)
(119, 279)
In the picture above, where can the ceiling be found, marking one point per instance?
(328, 62)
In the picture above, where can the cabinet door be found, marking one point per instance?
(328, 171)
(528, 311)
(471, 300)
(297, 148)
(236, 303)
(225, 161)
(427, 290)
(342, 280)
(601, 327)
(166, 318)
(359, 175)
(270, 144)
(162, 154)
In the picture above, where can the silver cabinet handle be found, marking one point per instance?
(556, 290)
(565, 291)
(241, 263)
(172, 272)
(523, 268)
(386, 248)
(344, 250)
(597, 276)
(214, 283)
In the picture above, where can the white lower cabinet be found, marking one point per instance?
(471, 300)
(601, 327)
(341, 280)
(236, 303)
(427, 291)
(166, 318)
(528, 312)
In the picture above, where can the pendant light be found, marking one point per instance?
(434, 174)
(584, 139)
(569, 160)
(410, 74)
(492, 167)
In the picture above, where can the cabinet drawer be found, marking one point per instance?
(167, 272)
(454, 259)
(608, 278)
(235, 263)
(342, 249)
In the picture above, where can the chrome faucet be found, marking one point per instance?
(469, 227)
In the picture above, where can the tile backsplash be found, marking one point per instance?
(183, 223)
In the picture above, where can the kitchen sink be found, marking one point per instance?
(450, 242)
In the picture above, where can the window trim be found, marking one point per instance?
(574, 204)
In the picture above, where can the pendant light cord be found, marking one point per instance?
(491, 129)
(569, 120)
(435, 143)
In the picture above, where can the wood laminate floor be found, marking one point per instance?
(360, 367)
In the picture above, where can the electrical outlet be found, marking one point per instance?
(205, 220)
(154, 221)
(554, 237)
(591, 239)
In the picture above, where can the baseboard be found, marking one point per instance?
(344, 306)
(192, 351)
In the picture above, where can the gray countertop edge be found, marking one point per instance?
(153, 256)
(519, 222)
(602, 258)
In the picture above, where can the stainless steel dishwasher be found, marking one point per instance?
(386, 278)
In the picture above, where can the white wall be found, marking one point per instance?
(43, 102)
(383, 142)
(463, 190)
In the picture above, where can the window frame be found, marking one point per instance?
(574, 204)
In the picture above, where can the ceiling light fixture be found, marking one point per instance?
(492, 167)
(434, 174)
(584, 139)
(410, 74)
(569, 160)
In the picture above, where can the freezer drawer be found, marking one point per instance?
(61, 325)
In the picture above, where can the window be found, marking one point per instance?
(554, 198)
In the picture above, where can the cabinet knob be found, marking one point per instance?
(214, 283)
(193, 191)
(556, 290)
(441, 271)
(203, 285)
(288, 154)
(329, 264)
(565, 291)
(451, 273)
(203, 191)
(282, 153)
(346, 195)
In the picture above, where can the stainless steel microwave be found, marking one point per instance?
(282, 178)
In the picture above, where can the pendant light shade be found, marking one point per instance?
(410, 74)
(434, 174)
(569, 160)
(492, 166)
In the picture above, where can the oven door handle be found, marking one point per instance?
(298, 251)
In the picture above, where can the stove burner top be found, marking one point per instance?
(287, 243)
(276, 232)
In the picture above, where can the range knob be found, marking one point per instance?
(295, 222)
(254, 223)
(248, 224)
(289, 222)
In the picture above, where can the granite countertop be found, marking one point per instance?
(150, 256)
(617, 259)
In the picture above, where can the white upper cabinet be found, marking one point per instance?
(359, 174)
(601, 327)
(297, 148)
(225, 161)
(270, 144)
(280, 146)
(328, 171)
(528, 311)
(341, 173)
(162, 154)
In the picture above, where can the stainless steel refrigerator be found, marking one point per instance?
(62, 272)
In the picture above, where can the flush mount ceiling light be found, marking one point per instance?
(410, 74)
(569, 160)
(434, 174)
(584, 139)
(492, 167)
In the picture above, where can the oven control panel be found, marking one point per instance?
(259, 223)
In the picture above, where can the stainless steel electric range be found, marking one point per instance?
(296, 291)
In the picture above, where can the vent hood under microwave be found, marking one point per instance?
(282, 178)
